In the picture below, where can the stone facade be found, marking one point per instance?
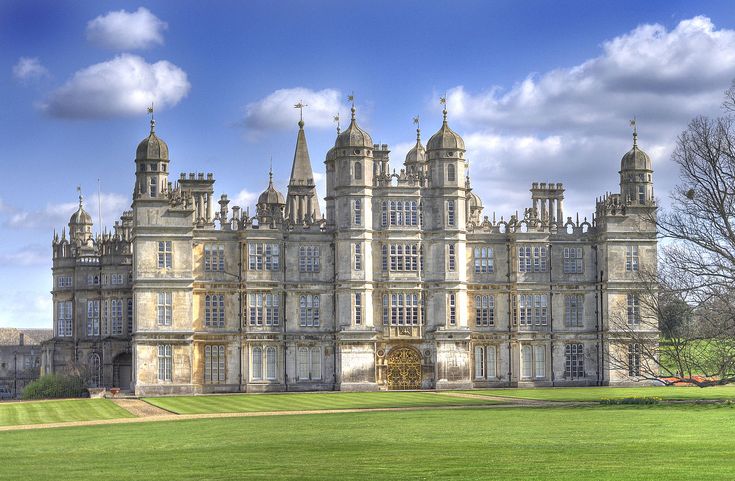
(403, 284)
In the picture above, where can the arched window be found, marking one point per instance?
(451, 173)
(303, 363)
(270, 363)
(95, 370)
(257, 367)
(358, 171)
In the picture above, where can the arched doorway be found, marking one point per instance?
(122, 371)
(404, 369)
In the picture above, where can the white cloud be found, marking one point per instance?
(56, 216)
(122, 30)
(244, 199)
(277, 112)
(29, 68)
(125, 85)
(571, 124)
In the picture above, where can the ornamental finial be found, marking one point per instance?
(635, 132)
(300, 105)
(153, 121)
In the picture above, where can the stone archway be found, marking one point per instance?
(403, 369)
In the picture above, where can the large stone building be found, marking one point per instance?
(402, 284)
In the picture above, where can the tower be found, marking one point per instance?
(446, 245)
(80, 226)
(302, 202)
(151, 166)
(636, 176)
(271, 204)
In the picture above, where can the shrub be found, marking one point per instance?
(55, 386)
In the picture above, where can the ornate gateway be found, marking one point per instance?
(404, 369)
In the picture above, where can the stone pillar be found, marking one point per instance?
(210, 208)
(551, 210)
(560, 210)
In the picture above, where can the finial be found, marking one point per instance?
(635, 132)
(153, 121)
(417, 122)
(301, 106)
(351, 98)
(270, 174)
(443, 101)
(336, 120)
(79, 190)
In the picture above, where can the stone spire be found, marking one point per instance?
(302, 202)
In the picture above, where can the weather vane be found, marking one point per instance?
(416, 122)
(301, 106)
(336, 120)
(443, 101)
(351, 98)
(153, 122)
(635, 131)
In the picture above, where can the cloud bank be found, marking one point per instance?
(571, 124)
(123, 86)
(276, 111)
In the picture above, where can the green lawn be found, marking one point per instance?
(15, 413)
(600, 442)
(306, 401)
(598, 393)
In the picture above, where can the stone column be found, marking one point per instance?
(560, 210)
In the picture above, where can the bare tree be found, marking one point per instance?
(697, 275)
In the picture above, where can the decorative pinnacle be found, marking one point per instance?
(153, 121)
(81, 198)
(351, 98)
(270, 173)
(635, 132)
(301, 106)
(417, 122)
(443, 101)
(336, 120)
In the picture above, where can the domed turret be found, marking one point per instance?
(152, 147)
(445, 138)
(151, 165)
(354, 136)
(635, 159)
(271, 196)
(271, 203)
(416, 157)
(80, 224)
(636, 175)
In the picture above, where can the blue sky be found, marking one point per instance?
(541, 91)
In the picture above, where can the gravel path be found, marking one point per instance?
(141, 408)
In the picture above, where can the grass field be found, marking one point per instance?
(600, 442)
(15, 413)
(598, 393)
(306, 401)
